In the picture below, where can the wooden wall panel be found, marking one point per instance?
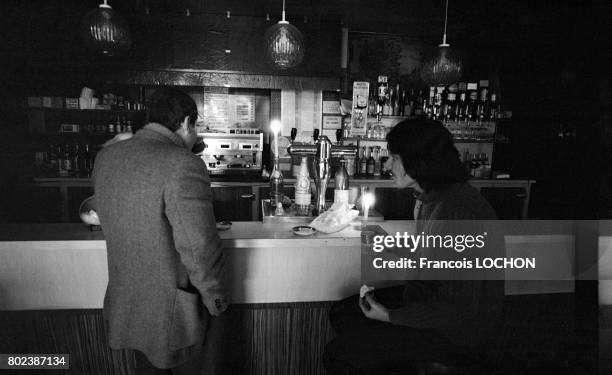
(261, 339)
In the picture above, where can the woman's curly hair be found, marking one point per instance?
(427, 152)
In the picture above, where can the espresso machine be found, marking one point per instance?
(323, 151)
(233, 154)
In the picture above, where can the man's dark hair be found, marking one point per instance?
(428, 153)
(169, 106)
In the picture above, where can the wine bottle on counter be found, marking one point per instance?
(302, 189)
(341, 180)
(276, 185)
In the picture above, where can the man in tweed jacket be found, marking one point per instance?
(164, 254)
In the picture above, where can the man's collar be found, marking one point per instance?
(161, 133)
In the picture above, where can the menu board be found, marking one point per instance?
(216, 110)
(222, 111)
(242, 109)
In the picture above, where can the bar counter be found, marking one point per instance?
(64, 266)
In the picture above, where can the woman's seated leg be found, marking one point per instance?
(383, 348)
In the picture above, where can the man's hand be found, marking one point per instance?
(373, 309)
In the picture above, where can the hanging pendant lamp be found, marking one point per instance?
(106, 32)
(284, 44)
(444, 68)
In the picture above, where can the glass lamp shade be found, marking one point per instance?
(105, 32)
(284, 45)
(443, 69)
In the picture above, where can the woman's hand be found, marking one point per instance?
(373, 309)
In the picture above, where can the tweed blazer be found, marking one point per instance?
(165, 261)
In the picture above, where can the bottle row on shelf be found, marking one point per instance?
(66, 160)
(464, 131)
(461, 101)
(115, 125)
(477, 165)
(88, 100)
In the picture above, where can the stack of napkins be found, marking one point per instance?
(338, 217)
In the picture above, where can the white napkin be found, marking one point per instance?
(338, 217)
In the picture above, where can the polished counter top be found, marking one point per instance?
(241, 234)
(64, 266)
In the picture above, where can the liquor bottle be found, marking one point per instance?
(486, 167)
(461, 107)
(483, 105)
(118, 127)
(439, 103)
(120, 103)
(382, 95)
(370, 163)
(302, 188)
(387, 108)
(474, 164)
(384, 156)
(492, 115)
(377, 168)
(276, 185)
(140, 105)
(363, 162)
(76, 159)
(67, 167)
(450, 106)
(111, 126)
(408, 98)
(418, 107)
(87, 160)
(472, 101)
(52, 158)
(396, 104)
(429, 104)
(402, 104)
(129, 128)
(372, 103)
(341, 180)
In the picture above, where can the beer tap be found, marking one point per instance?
(323, 151)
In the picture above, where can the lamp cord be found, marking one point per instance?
(283, 10)
(445, 22)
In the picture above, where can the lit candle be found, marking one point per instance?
(368, 199)
(275, 125)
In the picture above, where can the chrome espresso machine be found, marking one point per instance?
(233, 154)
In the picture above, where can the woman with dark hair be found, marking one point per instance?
(392, 329)
(423, 157)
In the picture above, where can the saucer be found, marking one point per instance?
(303, 230)
(224, 225)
